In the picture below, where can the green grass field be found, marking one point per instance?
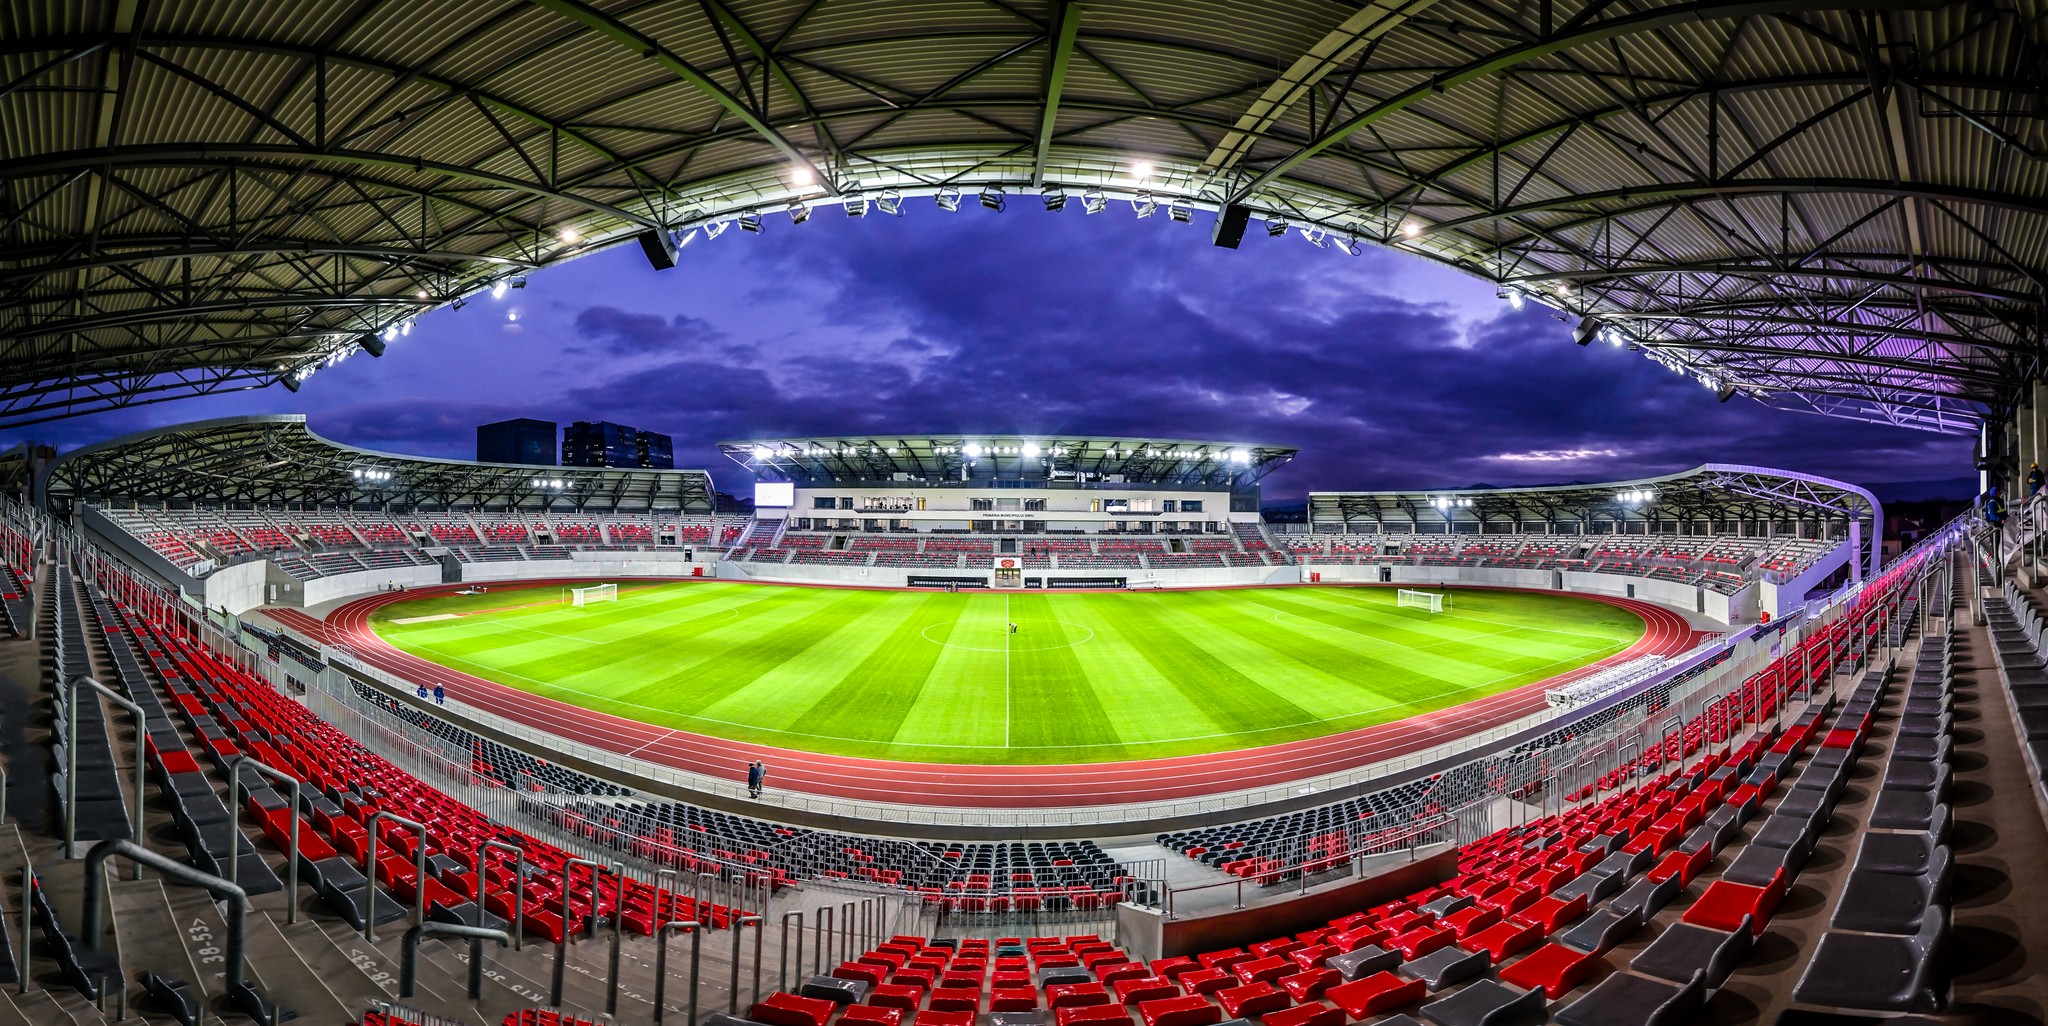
(931, 676)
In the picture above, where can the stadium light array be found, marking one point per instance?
(972, 449)
(1276, 227)
(716, 229)
(569, 236)
(498, 288)
(798, 212)
(370, 474)
(1055, 198)
(801, 177)
(1410, 229)
(1513, 296)
(992, 198)
(1031, 449)
(550, 483)
(750, 221)
(948, 199)
(1141, 170)
(1179, 211)
(890, 202)
(1634, 496)
(1094, 202)
(856, 205)
(1240, 456)
(1143, 205)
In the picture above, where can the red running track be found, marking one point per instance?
(1039, 786)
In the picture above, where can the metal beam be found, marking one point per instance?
(1067, 25)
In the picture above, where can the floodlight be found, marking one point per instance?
(1179, 212)
(972, 449)
(716, 229)
(406, 328)
(519, 281)
(460, 302)
(992, 197)
(1346, 243)
(1143, 205)
(1031, 449)
(1093, 201)
(801, 176)
(686, 237)
(1410, 229)
(799, 213)
(1315, 236)
(750, 221)
(1276, 227)
(856, 205)
(1141, 170)
(1055, 198)
(421, 293)
(890, 202)
(1587, 328)
(569, 236)
(1240, 456)
(511, 315)
(1513, 296)
(948, 199)
(498, 289)
(391, 333)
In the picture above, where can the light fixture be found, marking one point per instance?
(890, 202)
(1240, 456)
(406, 328)
(948, 199)
(421, 293)
(1179, 212)
(511, 315)
(1141, 170)
(1094, 202)
(972, 449)
(992, 197)
(1031, 449)
(750, 221)
(716, 229)
(569, 236)
(498, 288)
(519, 281)
(856, 205)
(1055, 198)
(1725, 392)
(459, 303)
(1143, 205)
(1348, 244)
(1276, 227)
(1314, 235)
(801, 176)
(798, 212)
(1410, 229)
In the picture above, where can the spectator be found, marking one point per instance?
(756, 773)
(440, 695)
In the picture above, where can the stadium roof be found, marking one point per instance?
(970, 458)
(1827, 207)
(278, 459)
(1713, 491)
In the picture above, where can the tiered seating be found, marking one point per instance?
(17, 574)
(793, 540)
(968, 546)
(581, 533)
(100, 813)
(501, 534)
(1107, 560)
(830, 557)
(1184, 560)
(508, 767)
(239, 714)
(641, 534)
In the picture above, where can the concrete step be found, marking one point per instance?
(437, 990)
(279, 970)
(149, 938)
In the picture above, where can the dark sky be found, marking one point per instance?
(1387, 370)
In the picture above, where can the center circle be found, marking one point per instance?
(1017, 642)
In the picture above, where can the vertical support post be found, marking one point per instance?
(569, 922)
(237, 794)
(661, 935)
(782, 978)
(370, 871)
(821, 944)
(611, 993)
(483, 885)
(739, 925)
(846, 932)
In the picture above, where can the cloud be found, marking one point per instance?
(621, 333)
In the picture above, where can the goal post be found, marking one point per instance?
(580, 597)
(1409, 598)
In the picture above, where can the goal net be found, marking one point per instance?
(1435, 602)
(593, 593)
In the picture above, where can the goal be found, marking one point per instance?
(1435, 602)
(594, 593)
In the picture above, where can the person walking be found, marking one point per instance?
(756, 773)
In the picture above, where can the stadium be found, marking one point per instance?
(981, 726)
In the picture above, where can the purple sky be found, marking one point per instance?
(1387, 370)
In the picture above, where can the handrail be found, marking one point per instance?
(782, 976)
(28, 905)
(562, 941)
(71, 759)
(661, 962)
(611, 992)
(409, 954)
(238, 906)
(481, 868)
(236, 794)
(419, 873)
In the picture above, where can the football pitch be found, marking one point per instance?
(937, 677)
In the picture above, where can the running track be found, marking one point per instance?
(1044, 786)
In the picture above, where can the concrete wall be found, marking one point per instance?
(898, 577)
(239, 587)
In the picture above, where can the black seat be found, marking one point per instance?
(1486, 1003)
(1879, 902)
(1882, 974)
(1683, 950)
(1446, 967)
(1600, 931)
(1357, 965)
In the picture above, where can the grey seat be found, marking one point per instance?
(1359, 964)
(1628, 864)
(1924, 726)
(1904, 854)
(1446, 967)
(1909, 775)
(1034, 1017)
(1448, 904)
(1880, 974)
(1064, 974)
(1603, 843)
(1877, 902)
(1906, 810)
(1708, 836)
(1793, 831)
(1601, 930)
(1625, 999)
(1921, 749)
(833, 989)
(1644, 897)
(1595, 885)
(1684, 949)
(1486, 1003)
(1805, 801)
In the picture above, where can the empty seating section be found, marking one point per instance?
(238, 714)
(506, 766)
(1723, 563)
(17, 578)
(86, 776)
(959, 878)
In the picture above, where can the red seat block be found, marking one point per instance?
(1073, 995)
(1551, 913)
(1252, 999)
(1312, 955)
(1511, 900)
(1307, 986)
(1109, 974)
(916, 976)
(1504, 939)
(1380, 992)
(1552, 967)
(1416, 943)
(1470, 920)
(872, 1015)
(944, 1017)
(873, 975)
(1681, 865)
(1358, 937)
(1726, 902)
(1206, 981)
(1077, 1015)
(956, 999)
(1013, 999)
(782, 1009)
(1143, 988)
(1184, 1010)
(1222, 959)
(1311, 1014)
(1171, 968)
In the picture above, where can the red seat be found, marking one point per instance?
(1682, 865)
(1109, 974)
(1221, 959)
(1076, 1015)
(872, 975)
(1726, 902)
(871, 1015)
(1206, 981)
(1143, 988)
(1184, 1010)
(956, 999)
(920, 976)
(1552, 967)
(1511, 900)
(1309, 985)
(1551, 913)
(1276, 946)
(1252, 999)
(1470, 920)
(783, 1009)
(1312, 955)
(1013, 999)
(1380, 992)
(1417, 943)
(896, 995)
(1073, 995)
(1263, 970)
(1504, 939)
(944, 1017)
(1311, 1014)
(1171, 968)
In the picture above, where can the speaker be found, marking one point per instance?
(1587, 328)
(1230, 225)
(659, 246)
(371, 342)
(1725, 393)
